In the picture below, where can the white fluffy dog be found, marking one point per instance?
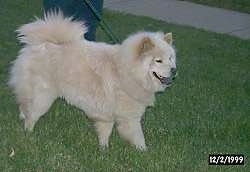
(111, 83)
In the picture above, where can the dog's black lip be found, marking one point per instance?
(159, 78)
(154, 73)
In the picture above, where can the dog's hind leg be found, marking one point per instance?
(37, 106)
(21, 114)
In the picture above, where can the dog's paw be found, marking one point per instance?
(104, 145)
(141, 147)
(21, 115)
(29, 125)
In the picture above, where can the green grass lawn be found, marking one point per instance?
(238, 5)
(205, 111)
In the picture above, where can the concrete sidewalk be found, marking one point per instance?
(186, 13)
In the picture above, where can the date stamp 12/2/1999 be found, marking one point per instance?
(226, 159)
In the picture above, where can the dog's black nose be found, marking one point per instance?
(173, 71)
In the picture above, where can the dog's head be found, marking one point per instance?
(154, 60)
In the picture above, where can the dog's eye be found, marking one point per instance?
(158, 61)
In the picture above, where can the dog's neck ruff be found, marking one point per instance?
(136, 90)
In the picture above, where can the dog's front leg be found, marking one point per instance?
(131, 130)
(104, 130)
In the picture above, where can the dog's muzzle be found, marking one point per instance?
(162, 79)
(167, 80)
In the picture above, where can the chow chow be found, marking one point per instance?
(112, 84)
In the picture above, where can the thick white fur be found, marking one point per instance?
(111, 83)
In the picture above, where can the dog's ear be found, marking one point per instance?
(168, 37)
(145, 45)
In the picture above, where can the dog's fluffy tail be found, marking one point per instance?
(54, 28)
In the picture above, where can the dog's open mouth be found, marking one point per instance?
(164, 80)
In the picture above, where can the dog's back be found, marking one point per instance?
(56, 61)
